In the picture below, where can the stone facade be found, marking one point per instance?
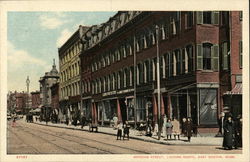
(69, 65)
(45, 92)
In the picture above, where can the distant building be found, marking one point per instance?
(55, 98)
(45, 92)
(69, 65)
(35, 100)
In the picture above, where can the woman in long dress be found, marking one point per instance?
(164, 129)
(169, 126)
(176, 129)
(228, 139)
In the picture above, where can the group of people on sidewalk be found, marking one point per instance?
(175, 128)
(122, 130)
(232, 132)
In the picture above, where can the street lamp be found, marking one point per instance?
(158, 82)
(27, 84)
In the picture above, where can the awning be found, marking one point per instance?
(237, 90)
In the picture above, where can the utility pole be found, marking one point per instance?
(135, 76)
(158, 83)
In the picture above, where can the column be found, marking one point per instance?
(119, 115)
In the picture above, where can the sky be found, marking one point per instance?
(34, 39)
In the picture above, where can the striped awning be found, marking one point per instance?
(237, 90)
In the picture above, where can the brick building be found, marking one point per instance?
(119, 56)
(233, 97)
(69, 65)
(21, 102)
(35, 100)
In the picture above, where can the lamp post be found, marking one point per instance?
(135, 104)
(158, 82)
(27, 84)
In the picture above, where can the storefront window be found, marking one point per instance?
(208, 106)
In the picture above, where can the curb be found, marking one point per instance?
(131, 137)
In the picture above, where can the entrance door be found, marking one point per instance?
(123, 108)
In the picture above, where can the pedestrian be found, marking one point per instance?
(83, 120)
(164, 126)
(149, 128)
(188, 128)
(115, 119)
(126, 128)
(67, 120)
(119, 130)
(14, 122)
(238, 132)
(176, 128)
(183, 127)
(169, 127)
(156, 129)
(229, 133)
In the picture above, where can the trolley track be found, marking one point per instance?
(78, 140)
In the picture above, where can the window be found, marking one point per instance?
(154, 61)
(177, 61)
(208, 106)
(241, 13)
(207, 18)
(189, 19)
(174, 54)
(207, 56)
(240, 51)
(162, 67)
(224, 50)
(173, 26)
(148, 66)
(163, 31)
(127, 80)
(183, 61)
(167, 65)
(118, 80)
(189, 58)
(224, 17)
(115, 81)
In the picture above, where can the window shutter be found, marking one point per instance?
(240, 53)
(215, 17)
(199, 61)
(174, 62)
(186, 20)
(182, 70)
(225, 56)
(199, 17)
(215, 57)
(186, 60)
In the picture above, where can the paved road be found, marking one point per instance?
(29, 138)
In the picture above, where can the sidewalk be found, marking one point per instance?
(134, 134)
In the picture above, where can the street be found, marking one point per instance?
(30, 138)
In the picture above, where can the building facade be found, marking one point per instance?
(45, 91)
(119, 61)
(69, 65)
(233, 97)
(35, 100)
(55, 101)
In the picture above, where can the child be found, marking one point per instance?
(119, 131)
(126, 130)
